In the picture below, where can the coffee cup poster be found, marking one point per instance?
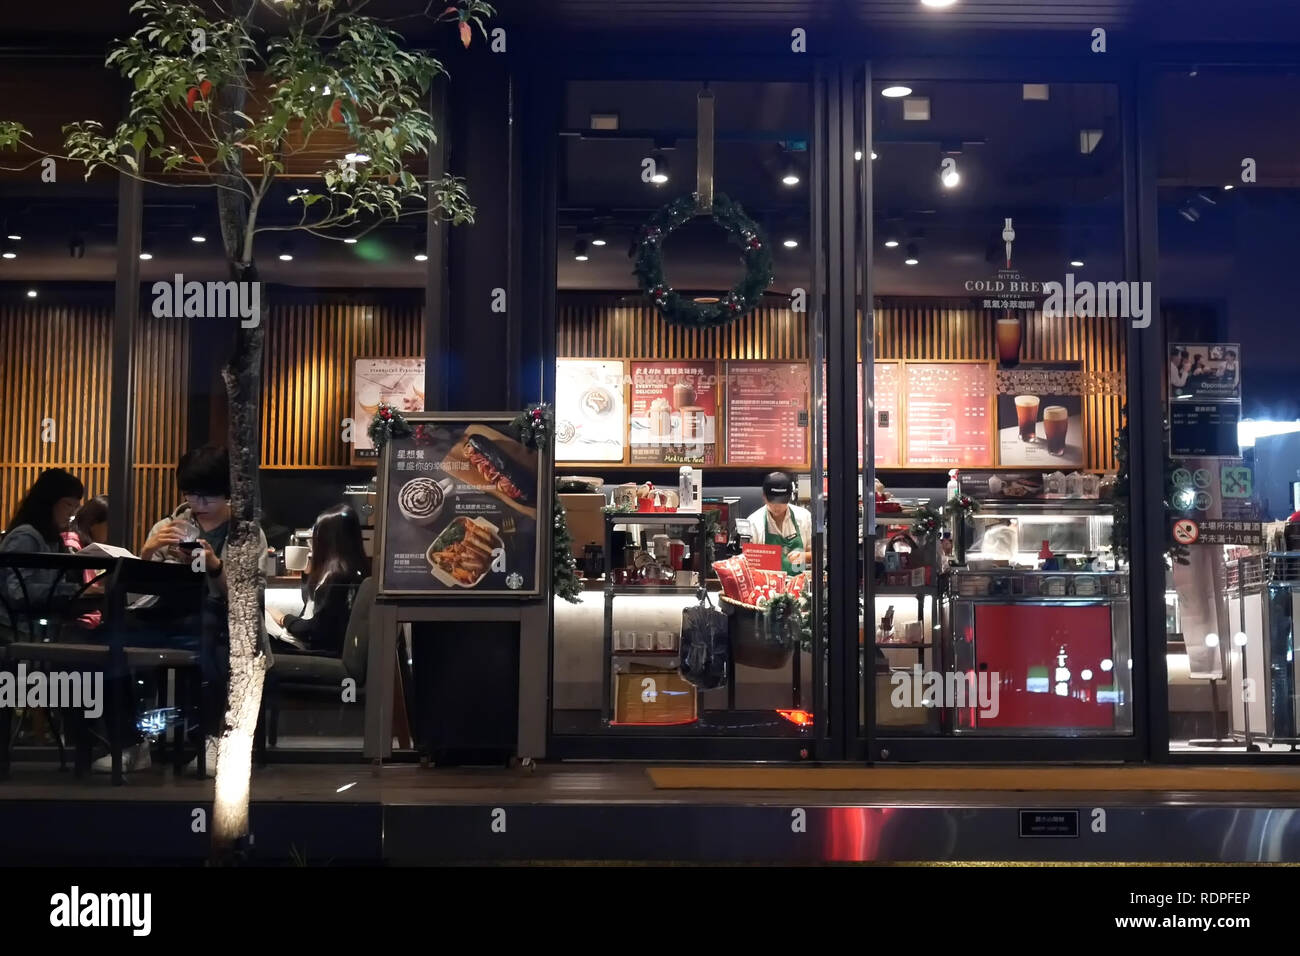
(1040, 415)
(674, 413)
(460, 501)
(589, 416)
(393, 381)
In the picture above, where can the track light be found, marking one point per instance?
(950, 177)
(580, 250)
(77, 247)
(661, 169)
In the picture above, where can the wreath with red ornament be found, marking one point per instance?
(387, 423)
(678, 309)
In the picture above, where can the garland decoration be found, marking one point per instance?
(535, 426)
(927, 525)
(387, 423)
(677, 309)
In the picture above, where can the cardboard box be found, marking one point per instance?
(887, 715)
(911, 578)
(653, 696)
(586, 520)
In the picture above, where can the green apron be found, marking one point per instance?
(787, 545)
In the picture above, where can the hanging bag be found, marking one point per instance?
(705, 654)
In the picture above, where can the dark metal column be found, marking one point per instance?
(126, 318)
(436, 340)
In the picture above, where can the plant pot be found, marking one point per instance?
(760, 640)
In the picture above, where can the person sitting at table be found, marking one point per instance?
(89, 526)
(200, 523)
(338, 565)
(35, 527)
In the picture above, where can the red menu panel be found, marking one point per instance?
(767, 413)
(673, 412)
(888, 423)
(948, 419)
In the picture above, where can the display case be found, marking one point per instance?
(1263, 607)
(1015, 532)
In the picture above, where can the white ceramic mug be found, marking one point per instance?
(295, 557)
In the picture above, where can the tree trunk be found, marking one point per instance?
(244, 583)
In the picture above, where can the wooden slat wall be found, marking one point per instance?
(55, 363)
(590, 326)
(311, 343)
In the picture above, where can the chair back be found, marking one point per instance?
(356, 642)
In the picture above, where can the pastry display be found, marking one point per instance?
(420, 501)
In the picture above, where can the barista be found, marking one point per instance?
(781, 523)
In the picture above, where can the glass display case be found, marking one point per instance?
(1014, 533)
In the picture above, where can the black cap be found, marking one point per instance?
(778, 487)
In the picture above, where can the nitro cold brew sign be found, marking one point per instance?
(1010, 289)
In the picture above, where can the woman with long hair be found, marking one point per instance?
(338, 565)
(35, 528)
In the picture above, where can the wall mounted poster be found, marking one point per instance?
(1205, 372)
(459, 500)
(767, 413)
(888, 424)
(396, 381)
(589, 417)
(1040, 415)
(674, 413)
(948, 417)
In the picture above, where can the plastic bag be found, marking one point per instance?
(705, 651)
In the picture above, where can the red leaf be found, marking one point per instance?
(191, 96)
(449, 10)
(466, 34)
(197, 159)
(336, 112)
(205, 88)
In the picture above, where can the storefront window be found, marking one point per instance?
(1228, 205)
(995, 591)
(668, 434)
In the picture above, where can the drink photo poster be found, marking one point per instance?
(674, 413)
(398, 382)
(1040, 415)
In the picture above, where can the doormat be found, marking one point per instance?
(1144, 778)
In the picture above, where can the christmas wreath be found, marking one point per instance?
(535, 427)
(387, 423)
(677, 309)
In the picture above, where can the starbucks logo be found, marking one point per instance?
(514, 581)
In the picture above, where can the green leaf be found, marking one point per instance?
(138, 141)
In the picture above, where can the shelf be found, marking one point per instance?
(643, 654)
(624, 589)
(894, 590)
(655, 517)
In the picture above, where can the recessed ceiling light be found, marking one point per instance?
(421, 257)
(580, 250)
(873, 155)
(938, 4)
(146, 255)
(8, 254)
(896, 91)
(857, 155)
(286, 257)
(790, 179)
(661, 169)
(31, 293)
(16, 237)
(198, 237)
(950, 178)
(350, 240)
(1076, 263)
(891, 243)
(1227, 187)
(791, 243)
(910, 261)
(598, 242)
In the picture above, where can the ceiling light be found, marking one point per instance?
(580, 250)
(1076, 263)
(911, 259)
(791, 178)
(950, 177)
(1240, 638)
(661, 169)
(350, 240)
(15, 236)
(1211, 640)
(895, 91)
(1227, 187)
(938, 4)
(891, 243)
(286, 252)
(8, 254)
(198, 237)
(873, 155)
(598, 242)
(791, 243)
(357, 157)
(146, 256)
(857, 155)
(31, 293)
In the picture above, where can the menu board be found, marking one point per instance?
(393, 381)
(459, 502)
(948, 421)
(767, 413)
(887, 420)
(589, 418)
(674, 413)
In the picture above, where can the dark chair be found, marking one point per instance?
(317, 675)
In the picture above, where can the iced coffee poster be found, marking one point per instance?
(589, 414)
(460, 499)
(674, 413)
(1040, 415)
(394, 381)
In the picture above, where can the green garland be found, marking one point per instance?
(677, 309)
(387, 423)
(535, 427)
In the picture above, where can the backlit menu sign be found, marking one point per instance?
(1204, 399)
(767, 413)
(674, 413)
(948, 420)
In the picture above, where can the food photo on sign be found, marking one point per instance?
(1040, 415)
(460, 504)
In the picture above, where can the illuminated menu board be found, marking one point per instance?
(948, 421)
(888, 423)
(674, 412)
(767, 413)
